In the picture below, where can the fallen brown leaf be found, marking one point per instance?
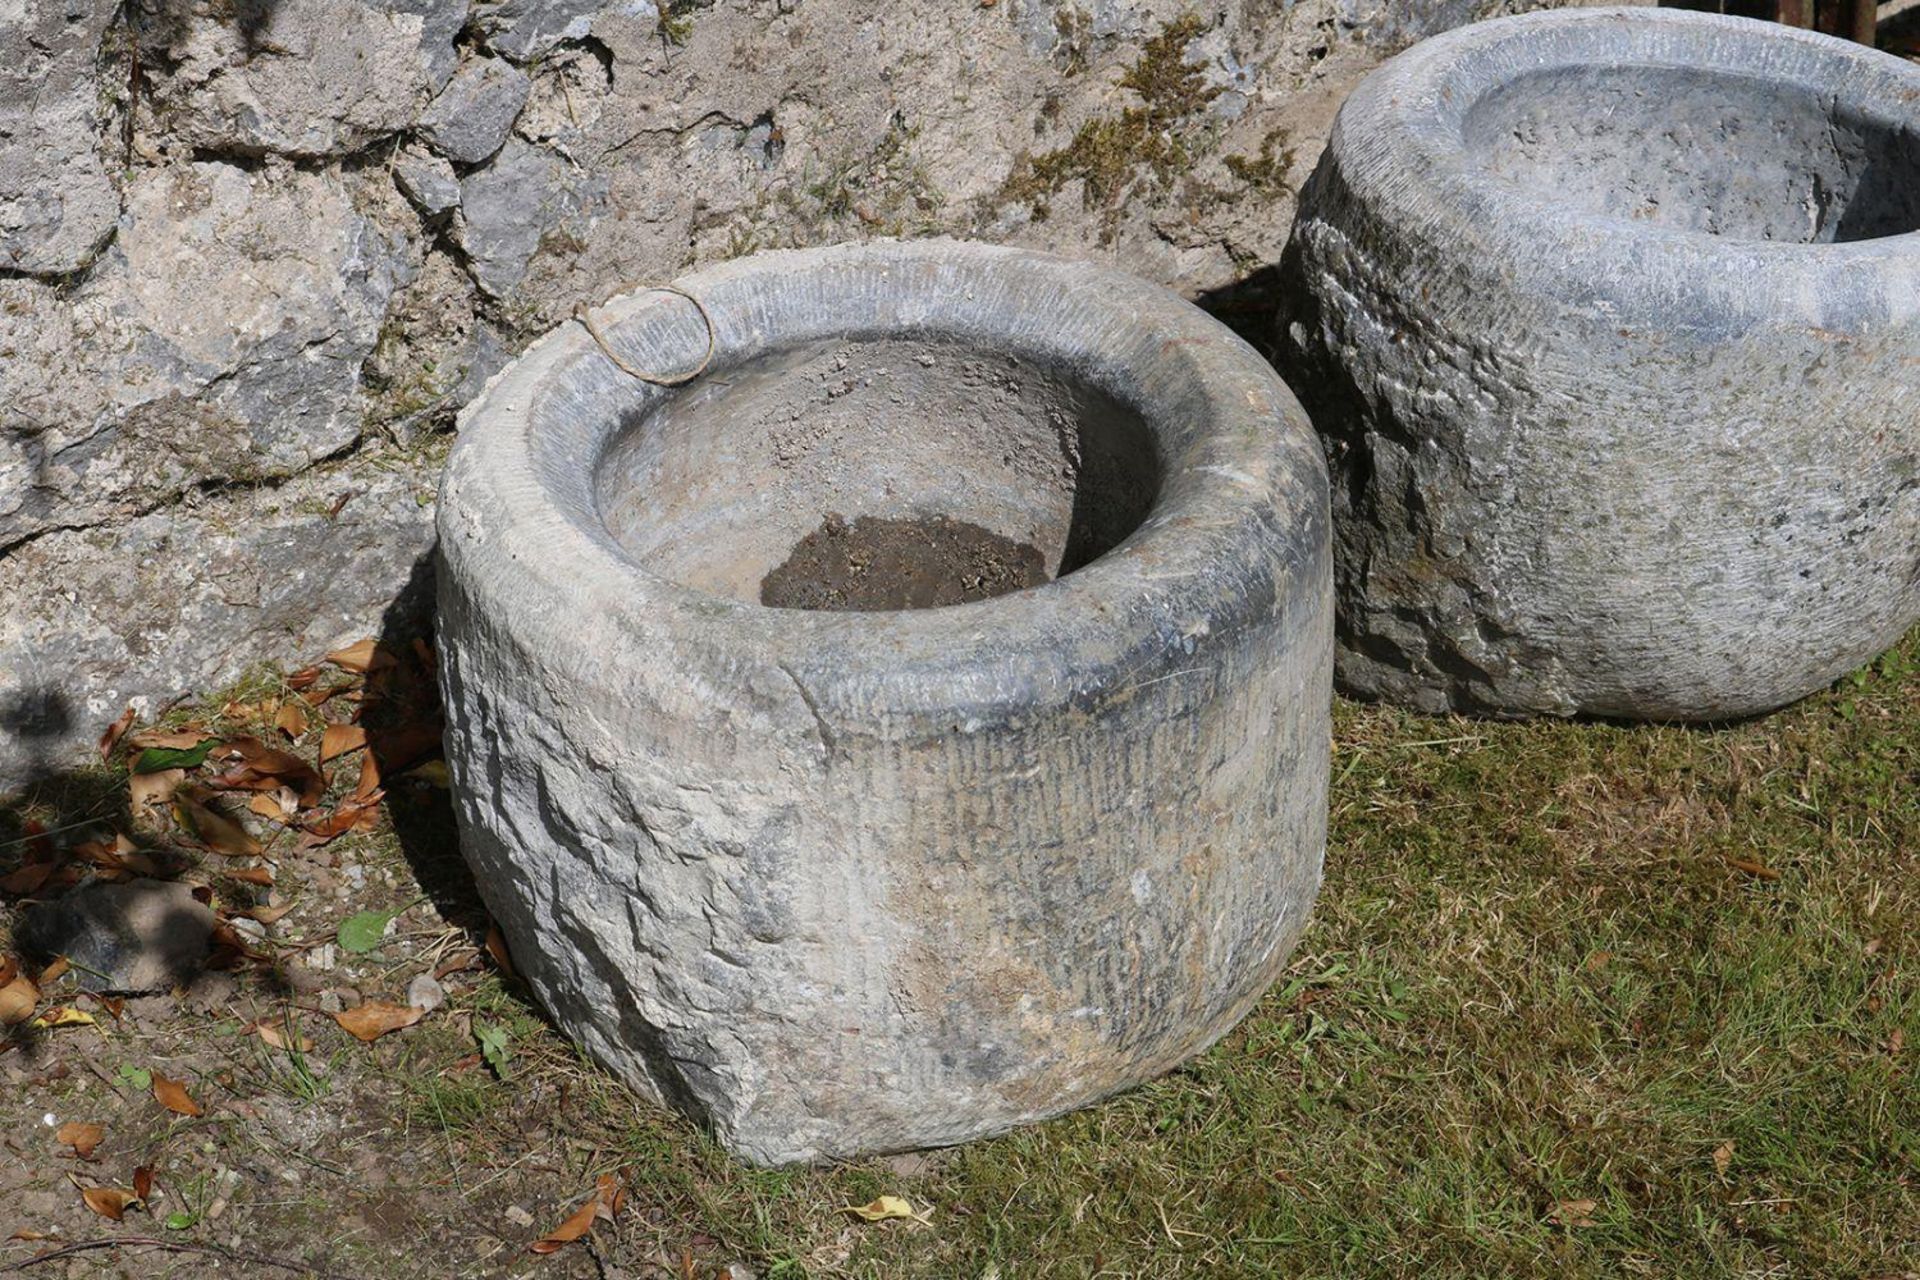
(143, 1181)
(267, 804)
(338, 739)
(214, 829)
(369, 784)
(1573, 1213)
(275, 1034)
(172, 1095)
(54, 972)
(109, 1202)
(371, 1019)
(497, 948)
(82, 1137)
(27, 879)
(252, 875)
(144, 789)
(111, 738)
(17, 1000)
(302, 678)
(265, 915)
(361, 657)
(400, 748)
(351, 815)
(1756, 869)
(603, 1203)
(170, 739)
(291, 719)
(1722, 1158)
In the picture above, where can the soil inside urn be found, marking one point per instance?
(877, 563)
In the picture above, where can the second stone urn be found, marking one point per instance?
(1611, 318)
(912, 726)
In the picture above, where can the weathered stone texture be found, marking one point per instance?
(221, 338)
(58, 205)
(290, 266)
(471, 117)
(839, 883)
(193, 596)
(311, 78)
(1605, 440)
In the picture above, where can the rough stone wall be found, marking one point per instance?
(254, 253)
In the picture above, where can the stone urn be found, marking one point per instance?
(1611, 321)
(916, 724)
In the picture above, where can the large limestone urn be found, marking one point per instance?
(916, 724)
(1611, 318)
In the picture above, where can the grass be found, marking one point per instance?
(1543, 1023)
(1578, 1000)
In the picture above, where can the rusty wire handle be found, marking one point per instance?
(584, 314)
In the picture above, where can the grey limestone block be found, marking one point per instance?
(838, 882)
(1611, 321)
(58, 203)
(473, 114)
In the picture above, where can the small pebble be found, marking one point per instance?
(425, 992)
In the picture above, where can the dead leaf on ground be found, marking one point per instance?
(79, 1135)
(338, 739)
(265, 915)
(63, 1016)
(361, 657)
(497, 948)
(1760, 871)
(883, 1209)
(605, 1201)
(17, 999)
(252, 875)
(272, 805)
(54, 972)
(351, 815)
(408, 745)
(276, 1034)
(144, 789)
(143, 1181)
(27, 879)
(172, 1095)
(369, 783)
(168, 739)
(109, 1202)
(291, 719)
(1573, 1213)
(371, 1019)
(214, 829)
(1722, 1158)
(111, 738)
(255, 766)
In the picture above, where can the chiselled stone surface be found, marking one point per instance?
(471, 117)
(310, 79)
(221, 337)
(508, 209)
(1619, 390)
(841, 882)
(57, 204)
(192, 597)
